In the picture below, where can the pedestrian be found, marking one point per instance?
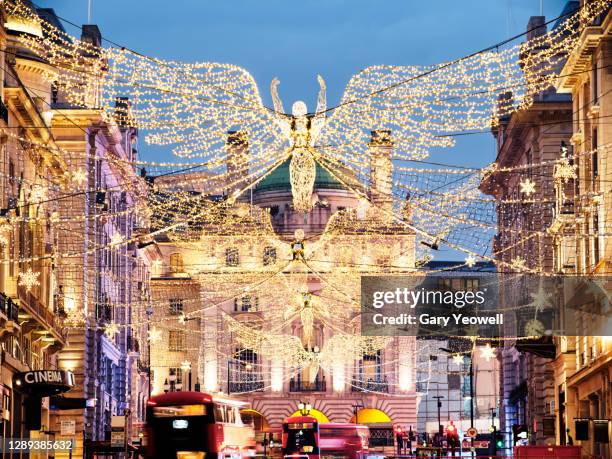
(399, 438)
(570, 440)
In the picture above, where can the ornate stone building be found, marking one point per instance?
(262, 272)
(529, 142)
(582, 228)
(68, 196)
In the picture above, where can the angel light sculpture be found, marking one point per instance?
(302, 130)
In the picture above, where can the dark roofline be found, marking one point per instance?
(49, 15)
(459, 266)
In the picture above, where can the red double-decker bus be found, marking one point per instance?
(304, 437)
(195, 425)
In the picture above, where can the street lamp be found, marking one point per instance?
(440, 429)
(304, 408)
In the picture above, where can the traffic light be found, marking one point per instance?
(452, 435)
(499, 440)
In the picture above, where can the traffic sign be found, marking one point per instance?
(471, 432)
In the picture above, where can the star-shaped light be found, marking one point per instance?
(470, 261)
(155, 335)
(185, 365)
(182, 319)
(116, 239)
(487, 352)
(540, 299)
(518, 263)
(564, 171)
(79, 176)
(527, 187)
(458, 359)
(38, 193)
(111, 329)
(28, 279)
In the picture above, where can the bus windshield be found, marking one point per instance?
(301, 437)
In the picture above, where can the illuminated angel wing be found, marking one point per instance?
(194, 106)
(282, 347)
(189, 107)
(421, 106)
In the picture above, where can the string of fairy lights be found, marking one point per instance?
(210, 207)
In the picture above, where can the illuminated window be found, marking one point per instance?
(232, 257)
(269, 256)
(176, 263)
(176, 306)
(176, 340)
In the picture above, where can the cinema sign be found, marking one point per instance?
(44, 382)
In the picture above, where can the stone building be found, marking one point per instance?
(529, 142)
(210, 279)
(69, 197)
(582, 228)
(441, 379)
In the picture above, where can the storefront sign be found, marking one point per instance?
(44, 382)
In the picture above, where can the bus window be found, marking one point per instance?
(301, 437)
(229, 415)
(179, 410)
(220, 413)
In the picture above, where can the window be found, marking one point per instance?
(176, 263)
(372, 366)
(232, 257)
(595, 239)
(176, 306)
(454, 381)
(269, 256)
(178, 372)
(595, 82)
(595, 159)
(246, 303)
(176, 340)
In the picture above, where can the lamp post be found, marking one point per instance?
(304, 408)
(440, 429)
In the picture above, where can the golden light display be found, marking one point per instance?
(374, 144)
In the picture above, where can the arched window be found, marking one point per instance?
(232, 257)
(269, 256)
(176, 263)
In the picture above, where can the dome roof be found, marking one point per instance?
(278, 179)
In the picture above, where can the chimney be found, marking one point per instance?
(91, 34)
(237, 146)
(381, 168)
(536, 27)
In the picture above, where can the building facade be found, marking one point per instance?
(582, 227)
(290, 277)
(529, 142)
(443, 379)
(73, 279)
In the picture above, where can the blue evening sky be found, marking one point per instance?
(296, 40)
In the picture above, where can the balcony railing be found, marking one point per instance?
(245, 386)
(32, 305)
(299, 385)
(4, 113)
(370, 385)
(9, 308)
